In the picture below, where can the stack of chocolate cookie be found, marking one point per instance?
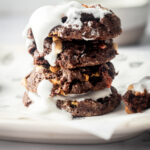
(72, 64)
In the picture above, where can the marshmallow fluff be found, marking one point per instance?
(142, 85)
(44, 88)
(42, 103)
(94, 95)
(52, 56)
(44, 19)
(48, 107)
(28, 42)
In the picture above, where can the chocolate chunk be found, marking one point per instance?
(64, 19)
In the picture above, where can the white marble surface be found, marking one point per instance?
(10, 29)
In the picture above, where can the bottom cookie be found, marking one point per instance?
(87, 107)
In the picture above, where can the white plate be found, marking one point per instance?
(30, 128)
(33, 131)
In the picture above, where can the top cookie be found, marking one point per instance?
(104, 26)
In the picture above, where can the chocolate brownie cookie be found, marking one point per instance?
(87, 107)
(137, 98)
(75, 53)
(93, 28)
(75, 81)
(76, 21)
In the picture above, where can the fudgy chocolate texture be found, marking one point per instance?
(82, 54)
(75, 81)
(87, 107)
(136, 102)
(75, 53)
(92, 28)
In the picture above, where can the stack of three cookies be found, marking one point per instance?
(72, 51)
